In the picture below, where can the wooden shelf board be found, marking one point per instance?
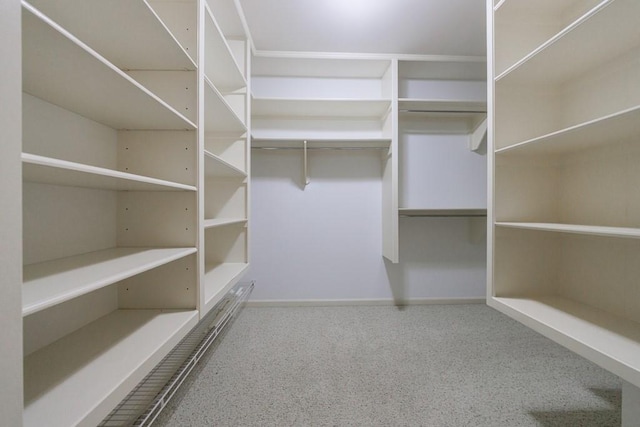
(607, 340)
(218, 279)
(228, 18)
(470, 69)
(81, 377)
(60, 69)
(61, 172)
(315, 143)
(291, 66)
(442, 212)
(50, 283)
(216, 166)
(221, 222)
(633, 233)
(603, 33)
(220, 65)
(442, 105)
(604, 130)
(139, 40)
(218, 114)
(335, 108)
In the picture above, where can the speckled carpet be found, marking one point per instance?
(438, 365)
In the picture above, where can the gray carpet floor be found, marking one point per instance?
(439, 365)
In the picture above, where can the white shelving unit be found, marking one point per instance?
(563, 134)
(135, 168)
(442, 109)
(342, 101)
(224, 232)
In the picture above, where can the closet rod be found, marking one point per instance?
(321, 148)
(445, 111)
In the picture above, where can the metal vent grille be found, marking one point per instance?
(143, 404)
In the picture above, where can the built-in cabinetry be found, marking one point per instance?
(135, 190)
(426, 114)
(565, 151)
(442, 123)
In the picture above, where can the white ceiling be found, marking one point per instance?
(427, 27)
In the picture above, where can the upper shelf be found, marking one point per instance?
(61, 172)
(343, 108)
(603, 33)
(318, 67)
(139, 40)
(216, 166)
(49, 283)
(319, 143)
(220, 64)
(615, 127)
(60, 69)
(468, 69)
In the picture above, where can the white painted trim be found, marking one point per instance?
(361, 302)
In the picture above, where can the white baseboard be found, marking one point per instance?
(348, 302)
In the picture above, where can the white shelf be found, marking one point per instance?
(81, 377)
(218, 279)
(228, 17)
(468, 69)
(220, 65)
(633, 233)
(139, 40)
(440, 122)
(442, 105)
(428, 212)
(62, 70)
(216, 166)
(221, 222)
(607, 340)
(317, 143)
(285, 66)
(49, 283)
(601, 131)
(334, 108)
(61, 172)
(603, 33)
(218, 114)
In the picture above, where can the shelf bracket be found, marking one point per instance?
(478, 137)
(305, 164)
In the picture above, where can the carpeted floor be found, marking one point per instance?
(439, 365)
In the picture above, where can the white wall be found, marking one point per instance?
(10, 212)
(325, 243)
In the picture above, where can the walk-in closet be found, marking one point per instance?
(292, 213)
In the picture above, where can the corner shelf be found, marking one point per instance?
(61, 172)
(81, 377)
(53, 282)
(59, 68)
(612, 342)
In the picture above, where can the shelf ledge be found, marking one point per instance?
(47, 170)
(415, 212)
(625, 232)
(50, 283)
